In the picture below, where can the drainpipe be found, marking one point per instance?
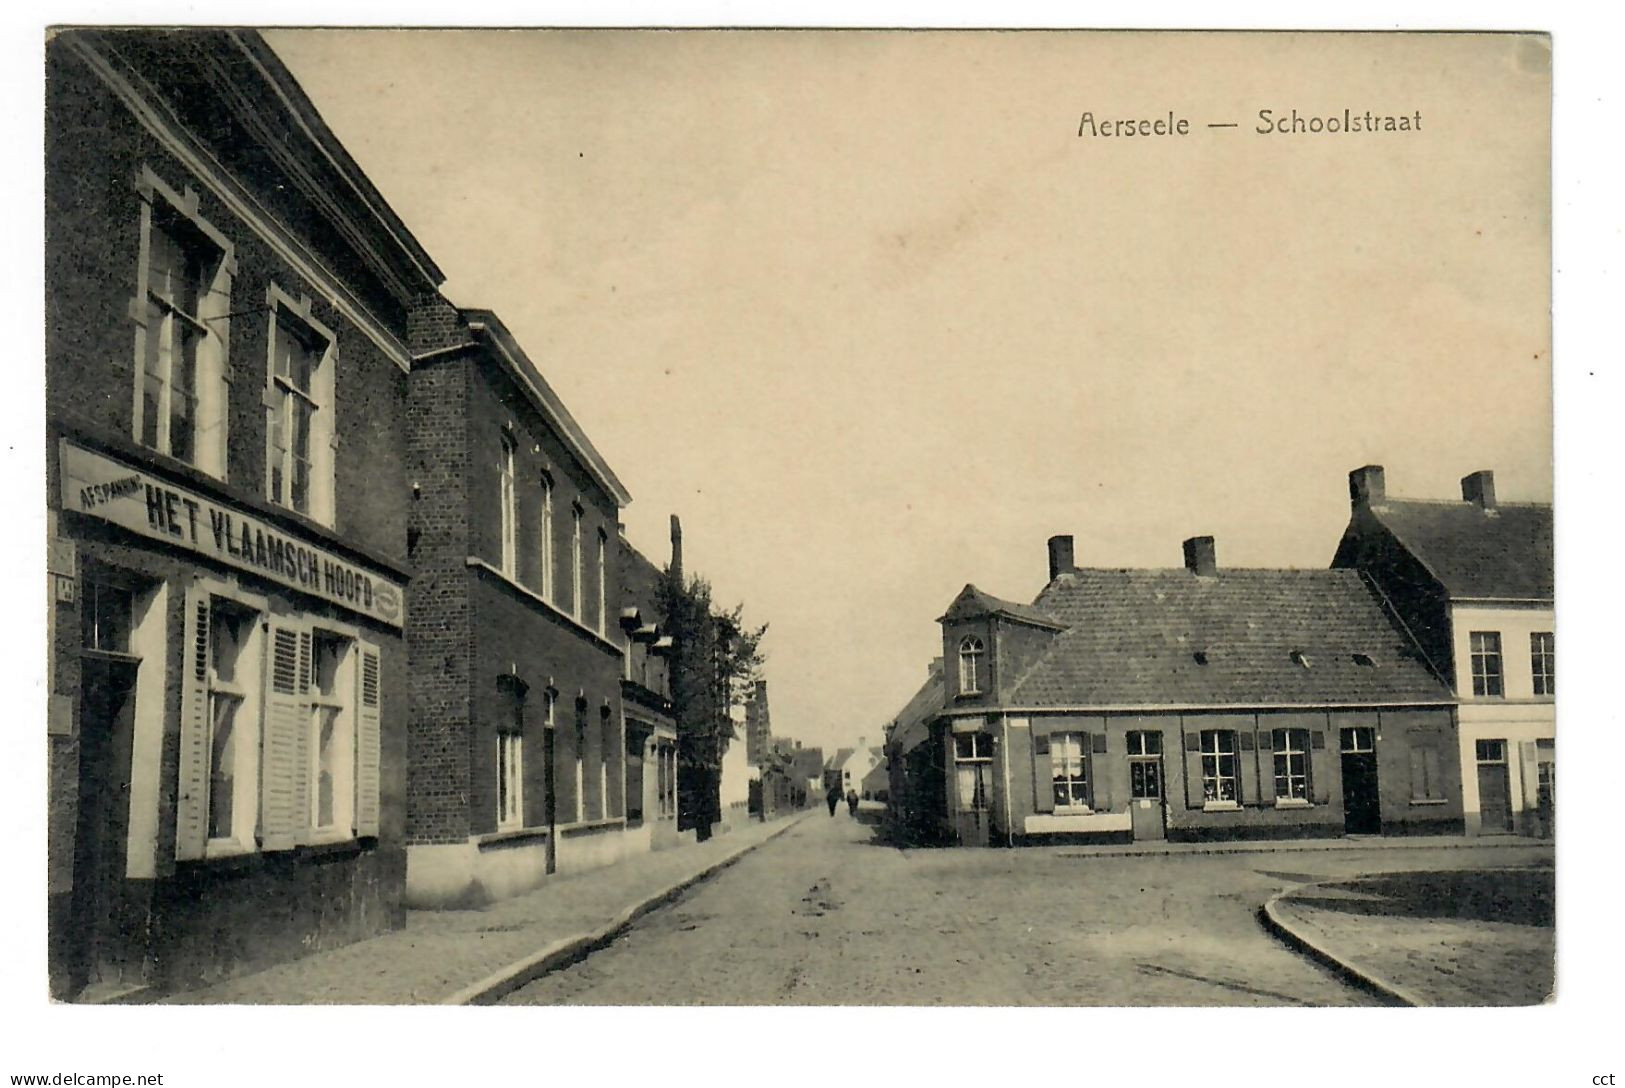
(1004, 763)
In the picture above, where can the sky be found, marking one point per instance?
(871, 317)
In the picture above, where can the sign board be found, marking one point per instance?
(99, 486)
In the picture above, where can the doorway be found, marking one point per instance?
(1362, 804)
(973, 773)
(101, 957)
(1147, 814)
(1494, 789)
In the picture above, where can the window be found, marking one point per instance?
(511, 755)
(603, 585)
(1145, 765)
(508, 505)
(1220, 784)
(970, 655)
(299, 403)
(1543, 662)
(1300, 659)
(973, 759)
(106, 618)
(232, 742)
(1491, 751)
(1069, 769)
(1291, 764)
(1486, 655)
(332, 741)
(575, 563)
(606, 745)
(182, 297)
(581, 760)
(547, 538)
(1365, 661)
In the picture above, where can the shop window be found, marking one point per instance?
(182, 301)
(1291, 764)
(970, 659)
(1145, 765)
(1486, 662)
(300, 431)
(1543, 662)
(1221, 783)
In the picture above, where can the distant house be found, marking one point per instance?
(876, 785)
(809, 770)
(1473, 582)
(857, 765)
(832, 769)
(651, 729)
(916, 766)
(1192, 703)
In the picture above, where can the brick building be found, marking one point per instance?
(226, 383)
(516, 759)
(1473, 582)
(651, 730)
(1192, 704)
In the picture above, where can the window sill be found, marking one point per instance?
(553, 609)
(1221, 806)
(510, 836)
(227, 850)
(1074, 810)
(1293, 802)
(1430, 800)
(969, 694)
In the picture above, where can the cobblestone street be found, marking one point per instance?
(827, 915)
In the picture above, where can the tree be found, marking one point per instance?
(714, 661)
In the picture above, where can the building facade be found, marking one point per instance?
(1473, 581)
(227, 303)
(651, 730)
(517, 750)
(1189, 704)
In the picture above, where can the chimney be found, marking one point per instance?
(1366, 487)
(1060, 556)
(1479, 488)
(677, 549)
(1200, 558)
(931, 669)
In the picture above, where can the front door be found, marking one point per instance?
(106, 732)
(1145, 786)
(1494, 791)
(973, 774)
(1362, 807)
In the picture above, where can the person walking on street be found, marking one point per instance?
(851, 802)
(833, 797)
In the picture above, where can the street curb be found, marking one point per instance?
(1302, 846)
(572, 949)
(1270, 915)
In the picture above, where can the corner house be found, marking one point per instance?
(1190, 704)
(226, 371)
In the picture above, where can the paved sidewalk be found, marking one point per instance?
(475, 956)
(1431, 938)
(1277, 846)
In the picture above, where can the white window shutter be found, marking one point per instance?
(367, 743)
(192, 793)
(286, 719)
(303, 745)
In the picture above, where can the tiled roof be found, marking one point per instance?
(1133, 635)
(1474, 552)
(972, 603)
(838, 760)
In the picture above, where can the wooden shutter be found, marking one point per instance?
(367, 743)
(303, 745)
(1266, 766)
(1321, 762)
(1419, 772)
(1193, 770)
(1043, 774)
(192, 788)
(287, 716)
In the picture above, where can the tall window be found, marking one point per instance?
(1219, 778)
(1543, 662)
(176, 281)
(1069, 769)
(1486, 655)
(547, 538)
(581, 760)
(231, 740)
(606, 745)
(511, 761)
(973, 768)
(106, 618)
(1291, 764)
(508, 505)
(1145, 764)
(332, 746)
(575, 563)
(603, 585)
(299, 401)
(970, 659)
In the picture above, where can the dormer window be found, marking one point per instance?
(970, 657)
(1200, 657)
(1364, 661)
(1300, 658)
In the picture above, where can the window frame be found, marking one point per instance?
(1543, 663)
(345, 698)
(549, 586)
(1059, 775)
(977, 765)
(578, 526)
(1480, 660)
(971, 649)
(1140, 755)
(508, 503)
(1282, 748)
(211, 361)
(603, 583)
(250, 677)
(292, 316)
